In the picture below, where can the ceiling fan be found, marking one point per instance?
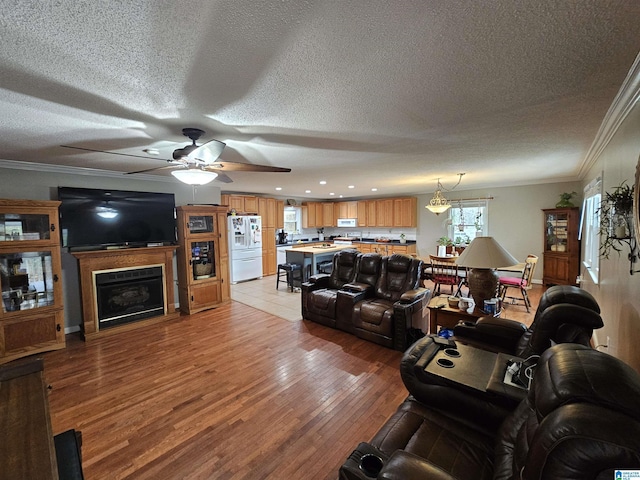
(199, 164)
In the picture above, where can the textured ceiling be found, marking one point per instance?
(385, 94)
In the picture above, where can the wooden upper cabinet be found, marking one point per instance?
(327, 215)
(236, 202)
(372, 210)
(346, 209)
(361, 209)
(250, 204)
(384, 212)
(279, 213)
(271, 213)
(404, 212)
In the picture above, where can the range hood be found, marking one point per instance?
(347, 222)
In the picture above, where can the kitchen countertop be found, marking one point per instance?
(319, 249)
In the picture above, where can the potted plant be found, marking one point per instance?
(321, 234)
(616, 220)
(403, 238)
(444, 245)
(565, 200)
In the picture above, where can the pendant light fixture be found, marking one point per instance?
(439, 204)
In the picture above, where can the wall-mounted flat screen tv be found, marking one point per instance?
(102, 218)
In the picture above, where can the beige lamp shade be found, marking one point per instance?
(483, 256)
(485, 252)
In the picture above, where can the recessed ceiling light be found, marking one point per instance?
(307, 191)
(323, 182)
(278, 188)
(374, 189)
(340, 196)
(332, 193)
(352, 186)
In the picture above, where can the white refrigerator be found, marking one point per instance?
(245, 247)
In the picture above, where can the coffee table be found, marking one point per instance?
(440, 313)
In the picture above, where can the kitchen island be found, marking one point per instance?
(310, 257)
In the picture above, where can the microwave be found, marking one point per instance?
(347, 222)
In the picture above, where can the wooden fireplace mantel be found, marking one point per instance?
(97, 260)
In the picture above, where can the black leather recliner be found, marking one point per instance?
(565, 314)
(319, 293)
(579, 421)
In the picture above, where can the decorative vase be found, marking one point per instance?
(403, 240)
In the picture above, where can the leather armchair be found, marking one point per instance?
(320, 292)
(580, 420)
(386, 313)
(565, 314)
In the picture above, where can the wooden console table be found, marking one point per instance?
(27, 449)
(98, 260)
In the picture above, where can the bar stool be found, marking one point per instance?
(325, 267)
(289, 270)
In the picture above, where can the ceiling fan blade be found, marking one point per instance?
(223, 177)
(245, 167)
(207, 152)
(177, 165)
(110, 153)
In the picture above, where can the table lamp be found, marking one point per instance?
(483, 256)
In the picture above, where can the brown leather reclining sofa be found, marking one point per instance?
(377, 298)
(580, 420)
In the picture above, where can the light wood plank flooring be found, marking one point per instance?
(231, 393)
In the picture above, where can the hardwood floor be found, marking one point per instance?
(230, 393)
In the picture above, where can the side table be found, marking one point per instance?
(440, 313)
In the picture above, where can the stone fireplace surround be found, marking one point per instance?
(104, 260)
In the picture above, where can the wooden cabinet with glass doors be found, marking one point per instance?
(203, 263)
(32, 316)
(561, 246)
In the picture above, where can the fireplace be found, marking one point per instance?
(127, 295)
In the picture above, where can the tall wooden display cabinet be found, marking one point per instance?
(203, 257)
(561, 246)
(31, 315)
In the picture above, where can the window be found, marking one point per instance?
(468, 220)
(292, 220)
(590, 228)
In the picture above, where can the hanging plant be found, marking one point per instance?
(616, 220)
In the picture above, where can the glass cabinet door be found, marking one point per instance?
(557, 225)
(27, 280)
(200, 224)
(203, 262)
(21, 226)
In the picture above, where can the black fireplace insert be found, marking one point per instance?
(128, 295)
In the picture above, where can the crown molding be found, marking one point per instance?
(621, 106)
(93, 172)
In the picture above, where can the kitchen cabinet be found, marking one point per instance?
(31, 317)
(279, 214)
(240, 203)
(361, 210)
(404, 212)
(346, 210)
(371, 213)
(384, 212)
(561, 255)
(327, 215)
(203, 271)
(267, 211)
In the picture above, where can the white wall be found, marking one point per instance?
(42, 185)
(514, 219)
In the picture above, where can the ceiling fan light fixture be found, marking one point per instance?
(194, 176)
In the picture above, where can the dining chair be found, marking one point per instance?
(523, 283)
(445, 271)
